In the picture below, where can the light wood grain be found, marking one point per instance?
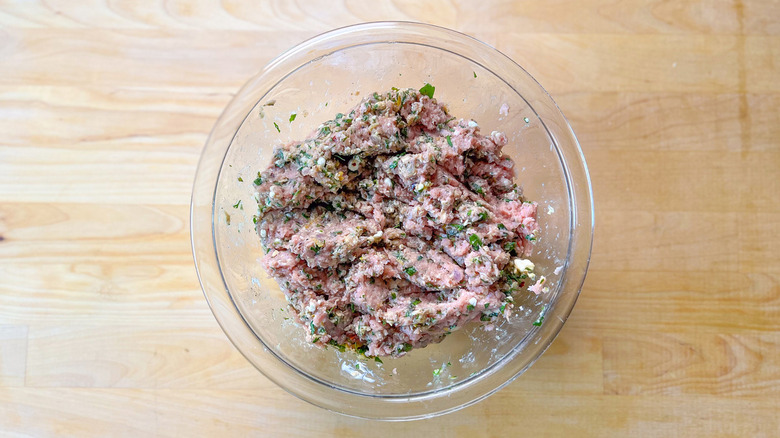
(179, 412)
(696, 302)
(104, 108)
(653, 363)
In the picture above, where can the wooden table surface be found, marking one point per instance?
(104, 108)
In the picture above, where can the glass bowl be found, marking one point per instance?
(331, 73)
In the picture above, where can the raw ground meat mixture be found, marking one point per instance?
(393, 225)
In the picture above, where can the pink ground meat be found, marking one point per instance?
(394, 225)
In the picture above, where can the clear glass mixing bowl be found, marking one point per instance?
(330, 74)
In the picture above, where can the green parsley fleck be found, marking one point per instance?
(483, 216)
(427, 90)
(501, 227)
(539, 321)
(338, 346)
(449, 140)
(475, 74)
(470, 307)
(416, 302)
(292, 117)
(316, 248)
(475, 242)
(410, 270)
(277, 128)
(377, 359)
(526, 120)
(240, 179)
(453, 229)
(238, 205)
(394, 164)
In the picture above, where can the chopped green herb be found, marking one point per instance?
(325, 130)
(526, 119)
(377, 359)
(449, 140)
(416, 302)
(393, 295)
(311, 327)
(475, 74)
(292, 117)
(501, 227)
(240, 179)
(453, 229)
(539, 321)
(406, 347)
(258, 180)
(316, 248)
(470, 307)
(277, 128)
(410, 270)
(475, 242)
(238, 205)
(394, 164)
(437, 371)
(338, 346)
(483, 216)
(427, 90)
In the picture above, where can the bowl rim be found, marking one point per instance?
(422, 397)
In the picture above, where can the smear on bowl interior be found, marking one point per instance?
(395, 224)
